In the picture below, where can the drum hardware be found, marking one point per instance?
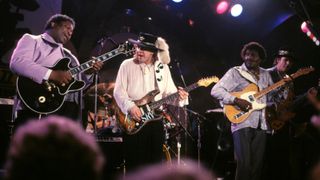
(104, 115)
(173, 128)
(198, 120)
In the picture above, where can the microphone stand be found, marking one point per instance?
(198, 132)
(95, 103)
(184, 108)
(101, 43)
(180, 72)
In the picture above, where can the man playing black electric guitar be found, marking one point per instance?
(33, 56)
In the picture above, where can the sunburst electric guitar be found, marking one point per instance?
(48, 97)
(251, 93)
(149, 108)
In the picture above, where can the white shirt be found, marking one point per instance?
(135, 80)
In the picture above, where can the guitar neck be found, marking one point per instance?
(172, 97)
(87, 65)
(275, 85)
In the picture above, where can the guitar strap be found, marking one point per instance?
(245, 74)
(158, 69)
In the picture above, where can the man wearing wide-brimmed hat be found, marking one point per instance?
(287, 119)
(283, 61)
(146, 71)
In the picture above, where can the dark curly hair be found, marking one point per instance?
(255, 47)
(58, 18)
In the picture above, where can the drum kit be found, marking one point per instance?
(106, 121)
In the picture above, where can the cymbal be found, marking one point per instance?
(103, 89)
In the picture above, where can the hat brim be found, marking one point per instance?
(145, 46)
(287, 55)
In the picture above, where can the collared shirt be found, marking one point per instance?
(282, 92)
(135, 80)
(34, 54)
(233, 81)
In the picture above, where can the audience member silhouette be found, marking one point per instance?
(188, 170)
(53, 148)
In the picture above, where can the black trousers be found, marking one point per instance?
(68, 109)
(145, 147)
(249, 147)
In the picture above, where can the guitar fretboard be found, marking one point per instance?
(87, 65)
(172, 97)
(277, 84)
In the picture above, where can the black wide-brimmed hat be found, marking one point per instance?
(285, 52)
(147, 42)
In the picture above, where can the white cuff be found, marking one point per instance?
(46, 77)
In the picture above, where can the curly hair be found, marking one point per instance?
(255, 46)
(58, 18)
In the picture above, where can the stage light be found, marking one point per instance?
(129, 12)
(304, 27)
(177, 1)
(190, 22)
(309, 30)
(222, 7)
(236, 10)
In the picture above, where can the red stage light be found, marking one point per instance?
(222, 7)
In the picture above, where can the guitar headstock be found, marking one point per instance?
(303, 71)
(207, 81)
(126, 48)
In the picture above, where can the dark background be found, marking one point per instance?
(208, 47)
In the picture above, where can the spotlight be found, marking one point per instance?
(222, 7)
(236, 10)
(177, 1)
(190, 22)
(129, 12)
(309, 30)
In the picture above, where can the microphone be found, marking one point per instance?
(101, 41)
(113, 41)
(177, 63)
(180, 72)
(195, 113)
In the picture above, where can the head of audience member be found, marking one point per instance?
(188, 170)
(314, 174)
(284, 59)
(53, 148)
(253, 54)
(60, 27)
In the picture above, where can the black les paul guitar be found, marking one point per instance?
(48, 97)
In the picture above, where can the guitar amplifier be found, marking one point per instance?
(6, 114)
(112, 149)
